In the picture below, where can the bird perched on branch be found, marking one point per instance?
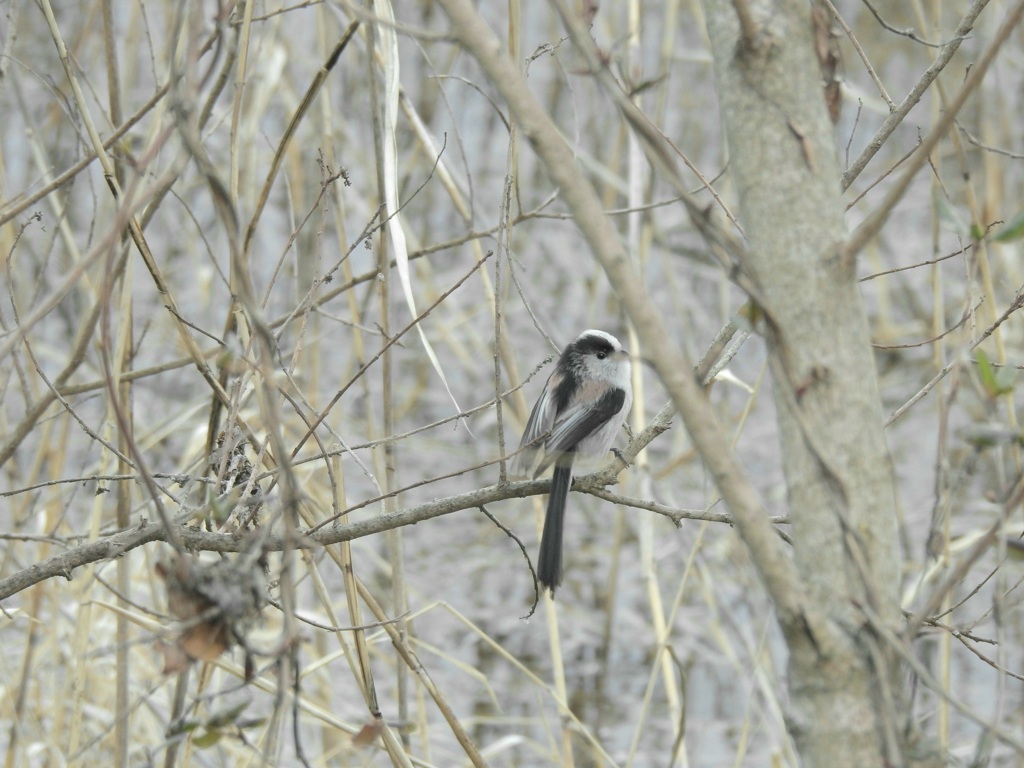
(575, 419)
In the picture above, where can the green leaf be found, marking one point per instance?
(226, 716)
(995, 382)
(1012, 231)
(977, 231)
(207, 739)
(186, 726)
(986, 374)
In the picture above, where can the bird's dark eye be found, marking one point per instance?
(602, 355)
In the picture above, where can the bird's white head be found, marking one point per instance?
(599, 355)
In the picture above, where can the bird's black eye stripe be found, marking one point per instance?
(597, 346)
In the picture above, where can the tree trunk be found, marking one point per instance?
(784, 164)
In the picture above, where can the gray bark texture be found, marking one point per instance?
(783, 160)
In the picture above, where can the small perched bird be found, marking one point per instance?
(576, 417)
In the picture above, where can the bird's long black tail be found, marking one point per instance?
(549, 561)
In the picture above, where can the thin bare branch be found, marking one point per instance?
(874, 222)
(963, 29)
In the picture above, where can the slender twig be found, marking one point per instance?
(885, 130)
(863, 56)
(363, 368)
(929, 262)
(968, 313)
(526, 556)
(15, 209)
(921, 671)
(1014, 306)
(293, 124)
(118, 543)
(971, 138)
(965, 640)
(874, 221)
(675, 514)
(908, 33)
(321, 534)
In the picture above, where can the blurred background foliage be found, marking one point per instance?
(661, 643)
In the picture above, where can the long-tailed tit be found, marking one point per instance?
(576, 417)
